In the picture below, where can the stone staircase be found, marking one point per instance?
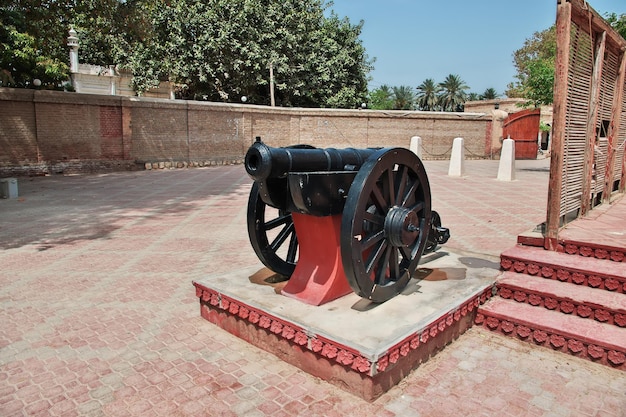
(567, 301)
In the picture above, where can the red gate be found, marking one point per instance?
(523, 128)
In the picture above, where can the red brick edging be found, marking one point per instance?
(560, 273)
(560, 342)
(595, 251)
(563, 305)
(330, 349)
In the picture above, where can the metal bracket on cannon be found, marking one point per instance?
(340, 220)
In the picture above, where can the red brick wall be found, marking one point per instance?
(58, 132)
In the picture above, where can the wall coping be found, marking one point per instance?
(47, 96)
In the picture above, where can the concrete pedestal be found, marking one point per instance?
(361, 347)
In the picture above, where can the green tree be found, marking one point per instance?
(540, 47)
(222, 49)
(109, 29)
(218, 49)
(427, 95)
(29, 33)
(539, 85)
(452, 93)
(473, 97)
(381, 98)
(618, 22)
(534, 63)
(489, 94)
(403, 98)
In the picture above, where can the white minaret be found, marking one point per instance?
(72, 42)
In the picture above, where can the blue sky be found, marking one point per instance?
(417, 39)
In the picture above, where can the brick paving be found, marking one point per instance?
(99, 318)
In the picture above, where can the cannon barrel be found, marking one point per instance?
(263, 162)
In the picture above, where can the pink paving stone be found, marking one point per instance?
(191, 407)
(12, 406)
(38, 407)
(196, 392)
(63, 408)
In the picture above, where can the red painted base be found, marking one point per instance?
(319, 276)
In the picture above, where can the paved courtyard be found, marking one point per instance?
(98, 316)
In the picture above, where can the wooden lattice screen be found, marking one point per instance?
(589, 121)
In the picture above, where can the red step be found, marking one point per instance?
(594, 250)
(591, 272)
(590, 303)
(589, 339)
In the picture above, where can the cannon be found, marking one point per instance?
(340, 220)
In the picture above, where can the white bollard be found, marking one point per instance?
(416, 146)
(457, 159)
(506, 169)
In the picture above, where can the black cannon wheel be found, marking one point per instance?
(272, 234)
(385, 225)
(431, 245)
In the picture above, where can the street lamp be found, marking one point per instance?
(244, 99)
(37, 82)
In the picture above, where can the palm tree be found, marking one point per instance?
(427, 95)
(473, 97)
(490, 94)
(403, 98)
(452, 93)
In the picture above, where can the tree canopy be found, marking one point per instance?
(427, 95)
(534, 63)
(214, 49)
(452, 93)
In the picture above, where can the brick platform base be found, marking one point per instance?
(332, 359)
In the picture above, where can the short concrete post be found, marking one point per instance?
(8, 188)
(457, 159)
(416, 146)
(506, 169)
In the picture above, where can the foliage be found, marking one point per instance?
(540, 47)
(618, 22)
(539, 88)
(452, 93)
(535, 63)
(427, 95)
(489, 94)
(381, 98)
(223, 49)
(21, 62)
(215, 49)
(109, 29)
(28, 31)
(403, 98)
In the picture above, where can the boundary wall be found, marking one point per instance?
(51, 132)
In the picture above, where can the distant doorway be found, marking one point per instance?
(523, 128)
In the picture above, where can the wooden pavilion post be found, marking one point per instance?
(592, 120)
(563, 38)
(616, 114)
